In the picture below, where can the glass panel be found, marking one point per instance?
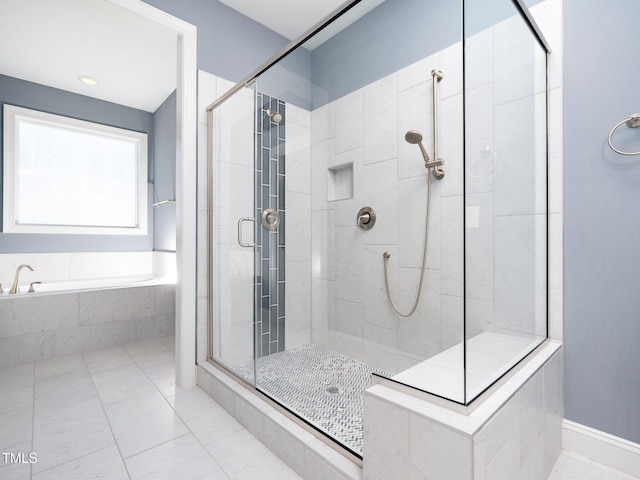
(331, 120)
(348, 121)
(233, 233)
(505, 191)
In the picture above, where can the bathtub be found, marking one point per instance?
(89, 284)
(67, 317)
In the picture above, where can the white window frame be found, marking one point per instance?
(13, 115)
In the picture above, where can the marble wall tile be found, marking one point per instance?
(418, 72)
(480, 248)
(348, 268)
(412, 217)
(479, 59)
(22, 315)
(553, 411)
(323, 123)
(349, 122)
(451, 67)
(298, 298)
(380, 119)
(381, 194)
(419, 334)
(377, 308)
(451, 250)
(321, 153)
(513, 72)
(415, 112)
(515, 148)
(349, 318)
(450, 144)
(515, 273)
(386, 440)
(298, 233)
(298, 154)
(430, 451)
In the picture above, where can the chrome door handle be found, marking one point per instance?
(240, 241)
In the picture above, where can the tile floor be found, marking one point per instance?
(117, 414)
(573, 467)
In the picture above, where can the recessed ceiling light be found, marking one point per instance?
(86, 79)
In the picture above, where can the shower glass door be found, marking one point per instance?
(233, 233)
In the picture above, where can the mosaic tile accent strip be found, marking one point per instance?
(269, 286)
(322, 386)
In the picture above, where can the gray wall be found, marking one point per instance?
(51, 100)
(164, 174)
(602, 223)
(230, 45)
(395, 34)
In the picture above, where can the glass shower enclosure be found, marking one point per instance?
(326, 190)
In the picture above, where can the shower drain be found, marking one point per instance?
(332, 390)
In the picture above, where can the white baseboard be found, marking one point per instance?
(613, 452)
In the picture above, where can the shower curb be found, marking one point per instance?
(306, 454)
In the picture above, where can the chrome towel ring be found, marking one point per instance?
(632, 121)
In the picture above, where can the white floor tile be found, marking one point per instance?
(205, 418)
(15, 472)
(106, 359)
(24, 370)
(94, 409)
(59, 365)
(570, 467)
(150, 353)
(182, 458)
(169, 342)
(242, 456)
(16, 392)
(121, 383)
(60, 391)
(68, 433)
(143, 422)
(163, 377)
(15, 430)
(103, 464)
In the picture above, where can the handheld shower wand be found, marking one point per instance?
(415, 137)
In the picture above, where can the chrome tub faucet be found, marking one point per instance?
(14, 288)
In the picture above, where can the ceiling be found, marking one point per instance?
(135, 60)
(289, 18)
(53, 42)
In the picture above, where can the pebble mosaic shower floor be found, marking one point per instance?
(303, 378)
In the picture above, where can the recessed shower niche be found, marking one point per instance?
(372, 110)
(340, 182)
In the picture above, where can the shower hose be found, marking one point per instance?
(387, 255)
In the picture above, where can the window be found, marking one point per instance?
(63, 175)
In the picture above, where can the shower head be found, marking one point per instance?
(275, 116)
(413, 137)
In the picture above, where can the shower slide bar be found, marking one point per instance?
(632, 121)
(437, 77)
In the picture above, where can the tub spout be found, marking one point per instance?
(14, 288)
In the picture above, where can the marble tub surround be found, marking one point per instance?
(516, 432)
(116, 413)
(78, 266)
(41, 326)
